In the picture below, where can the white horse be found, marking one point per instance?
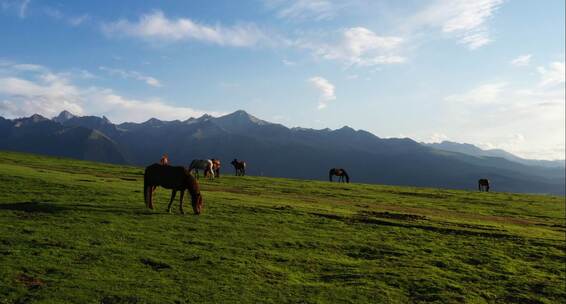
(203, 164)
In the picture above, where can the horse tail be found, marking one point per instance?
(330, 173)
(346, 175)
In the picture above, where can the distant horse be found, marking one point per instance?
(239, 166)
(174, 178)
(483, 185)
(341, 173)
(216, 167)
(203, 164)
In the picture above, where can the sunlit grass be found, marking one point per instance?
(73, 231)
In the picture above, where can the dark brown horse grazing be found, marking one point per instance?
(240, 167)
(341, 173)
(174, 178)
(483, 185)
(216, 167)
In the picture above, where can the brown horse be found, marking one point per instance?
(341, 173)
(483, 185)
(174, 178)
(240, 167)
(216, 167)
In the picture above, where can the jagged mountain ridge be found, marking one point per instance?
(274, 150)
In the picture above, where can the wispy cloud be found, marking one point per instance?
(303, 9)
(467, 21)
(357, 46)
(44, 92)
(71, 20)
(326, 90)
(522, 60)
(157, 26)
(18, 7)
(151, 81)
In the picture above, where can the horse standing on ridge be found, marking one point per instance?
(203, 164)
(239, 166)
(341, 173)
(483, 185)
(174, 178)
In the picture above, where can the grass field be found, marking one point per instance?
(79, 232)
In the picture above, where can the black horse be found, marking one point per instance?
(341, 173)
(483, 185)
(174, 178)
(239, 166)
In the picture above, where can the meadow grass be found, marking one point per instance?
(78, 232)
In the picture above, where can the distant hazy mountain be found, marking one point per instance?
(475, 151)
(38, 134)
(274, 150)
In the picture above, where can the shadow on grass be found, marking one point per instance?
(33, 207)
(53, 208)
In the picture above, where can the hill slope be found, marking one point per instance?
(78, 232)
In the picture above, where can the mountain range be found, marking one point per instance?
(272, 149)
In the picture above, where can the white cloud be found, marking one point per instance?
(483, 94)
(522, 60)
(156, 26)
(151, 81)
(47, 93)
(289, 62)
(437, 138)
(527, 121)
(462, 19)
(358, 46)
(326, 90)
(553, 75)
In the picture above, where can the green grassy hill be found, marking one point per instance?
(78, 232)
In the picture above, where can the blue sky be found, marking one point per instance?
(487, 72)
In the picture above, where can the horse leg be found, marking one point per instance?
(173, 193)
(181, 202)
(149, 196)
